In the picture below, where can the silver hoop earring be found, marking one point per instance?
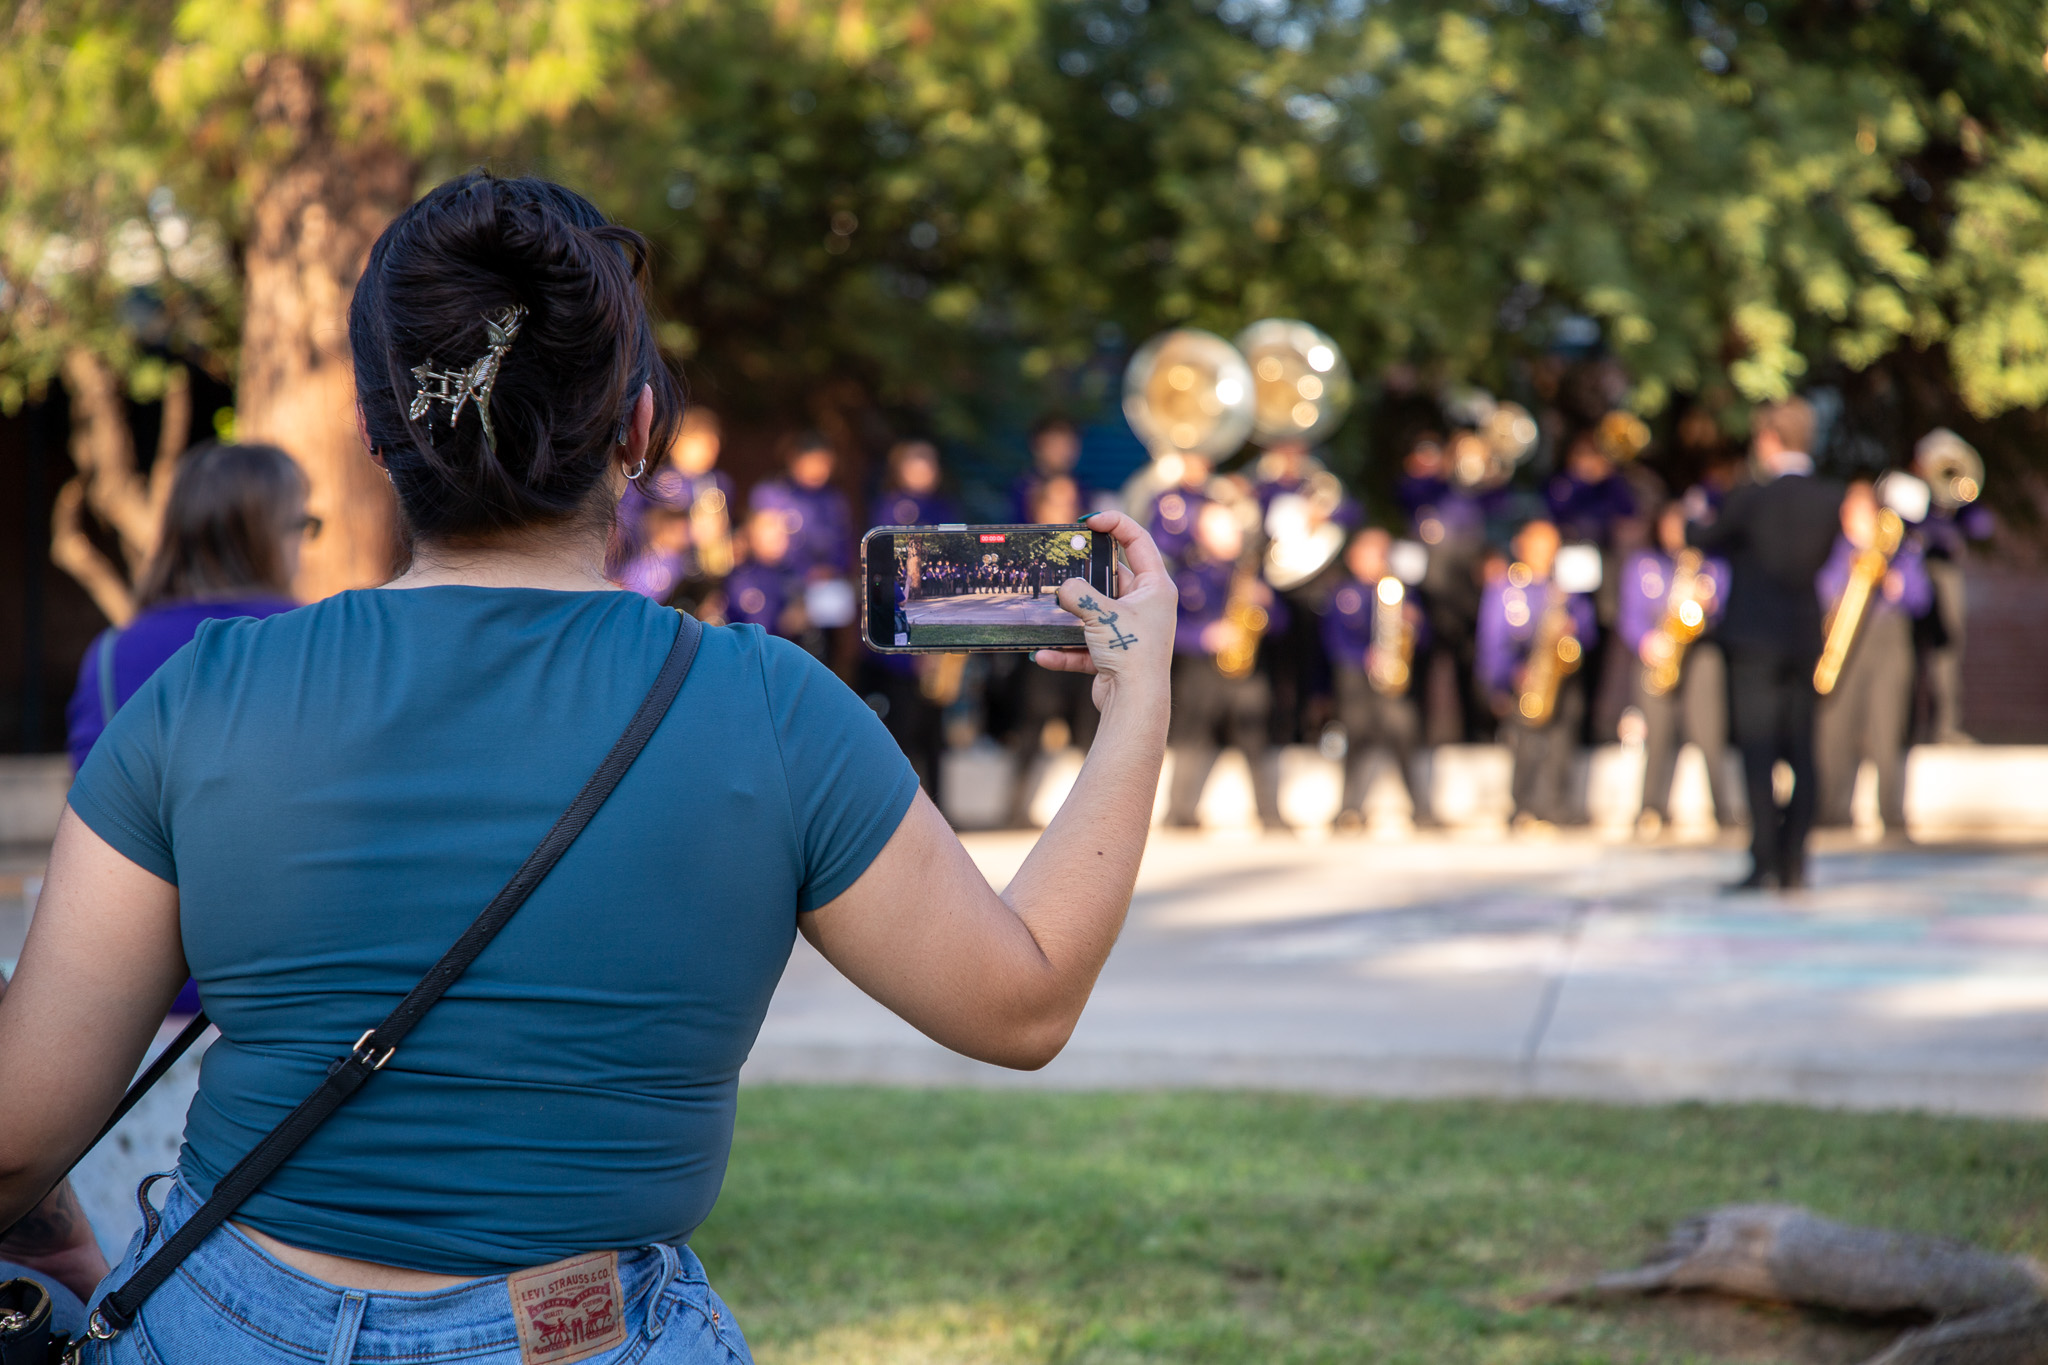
(637, 470)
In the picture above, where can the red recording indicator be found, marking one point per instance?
(993, 540)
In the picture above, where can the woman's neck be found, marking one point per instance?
(554, 563)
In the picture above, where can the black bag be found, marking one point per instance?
(25, 1335)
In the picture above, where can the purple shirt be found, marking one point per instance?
(756, 594)
(820, 524)
(667, 485)
(139, 650)
(1587, 511)
(1645, 587)
(1204, 588)
(1457, 514)
(653, 573)
(1908, 564)
(1347, 623)
(1948, 531)
(1508, 618)
(1171, 520)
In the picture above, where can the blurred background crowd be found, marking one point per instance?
(1564, 249)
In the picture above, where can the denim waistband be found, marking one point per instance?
(245, 1290)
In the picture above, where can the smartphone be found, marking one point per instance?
(976, 589)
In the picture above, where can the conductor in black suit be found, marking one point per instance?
(1775, 533)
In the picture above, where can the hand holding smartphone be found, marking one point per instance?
(977, 589)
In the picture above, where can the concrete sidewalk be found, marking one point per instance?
(1915, 978)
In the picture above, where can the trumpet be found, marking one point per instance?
(1393, 639)
(1871, 565)
(1554, 656)
(1245, 622)
(1684, 621)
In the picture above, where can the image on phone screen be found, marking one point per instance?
(978, 587)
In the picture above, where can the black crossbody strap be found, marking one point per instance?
(345, 1075)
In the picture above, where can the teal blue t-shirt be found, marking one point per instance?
(339, 790)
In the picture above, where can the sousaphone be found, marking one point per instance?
(1302, 390)
(1186, 392)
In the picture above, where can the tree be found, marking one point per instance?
(290, 133)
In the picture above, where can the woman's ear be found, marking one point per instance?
(639, 427)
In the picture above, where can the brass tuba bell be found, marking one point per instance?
(1303, 390)
(1953, 469)
(1300, 383)
(1189, 392)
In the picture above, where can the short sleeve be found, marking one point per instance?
(849, 784)
(120, 793)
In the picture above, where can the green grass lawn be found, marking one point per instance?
(869, 1225)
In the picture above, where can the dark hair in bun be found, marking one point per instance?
(467, 251)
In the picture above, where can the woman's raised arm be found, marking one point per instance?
(1004, 978)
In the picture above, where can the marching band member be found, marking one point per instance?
(1590, 496)
(1174, 513)
(1055, 450)
(910, 494)
(1867, 712)
(1451, 522)
(908, 690)
(1051, 710)
(1375, 696)
(819, 521)
(1695, 707)
(1519, 612)
(663, 560)
(1946, 536)
(766, 589)
(688, 478)
(1216, 588)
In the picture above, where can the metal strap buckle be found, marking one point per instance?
(97, 1328)
(357, 1054)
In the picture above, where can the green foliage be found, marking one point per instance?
(888, 201)
(878, 1225)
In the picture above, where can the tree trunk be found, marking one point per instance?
(1989, 1309)
(313, 223)
(108, 486)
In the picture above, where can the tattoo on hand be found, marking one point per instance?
(1119, 639)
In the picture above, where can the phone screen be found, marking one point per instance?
(971, 588)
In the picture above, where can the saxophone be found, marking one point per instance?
(1393, 639)
(711, 532)
(1247, 622)
(1554, 655)
(1685, 620)
(1871, 565)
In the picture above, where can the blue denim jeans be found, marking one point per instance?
(232, 1303)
